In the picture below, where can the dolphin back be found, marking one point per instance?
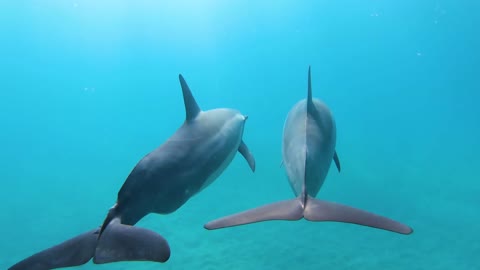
(308, 144)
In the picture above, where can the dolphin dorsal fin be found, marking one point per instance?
(191, 106)
(310, 105)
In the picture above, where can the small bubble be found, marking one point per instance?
(89, 89)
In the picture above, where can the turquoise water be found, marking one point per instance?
(88, 88)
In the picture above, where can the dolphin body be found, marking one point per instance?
(166, 178)
(309, 138)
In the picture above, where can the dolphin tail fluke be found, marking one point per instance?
(119, 242)
(73, 252)
(318, 210)
(283, 210)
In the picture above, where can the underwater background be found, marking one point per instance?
(87, 88)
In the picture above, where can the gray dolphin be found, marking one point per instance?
(309, 138)
(161, 182)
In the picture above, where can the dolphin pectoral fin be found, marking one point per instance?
(243, 149)
(73, 252)
(283, 210)
(318, 210)
(336, 160)
(120, 242)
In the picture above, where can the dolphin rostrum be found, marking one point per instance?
(309, 138)
(161, 182)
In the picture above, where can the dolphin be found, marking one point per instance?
(161, 182)
(309, 138)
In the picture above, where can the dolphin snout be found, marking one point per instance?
(245, 117)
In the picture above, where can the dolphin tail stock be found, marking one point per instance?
(73, 252)
(119, 242)
(320, 210)
(283, 210)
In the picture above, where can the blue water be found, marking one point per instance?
(89, 87)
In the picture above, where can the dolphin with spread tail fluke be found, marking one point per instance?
(309, 138)
(161, 182)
